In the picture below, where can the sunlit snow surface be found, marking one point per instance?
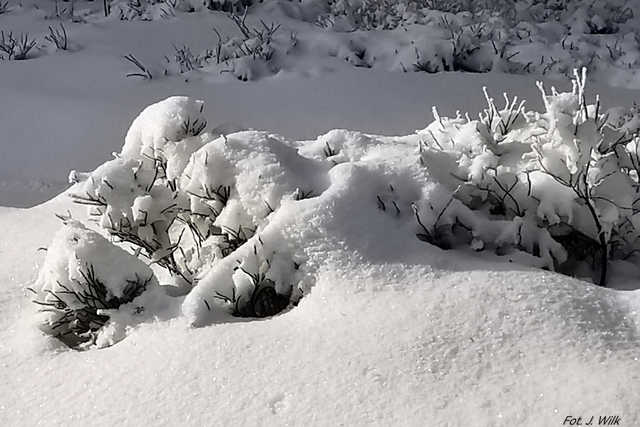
(395, 333)
(390, 331)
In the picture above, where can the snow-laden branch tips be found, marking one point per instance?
(566, 175)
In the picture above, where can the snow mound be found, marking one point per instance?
(169, 120)
(221, 214)
(83, 277)
(261, 168)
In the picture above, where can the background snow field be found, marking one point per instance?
(49, 100)
(384, 338)
(292, 220)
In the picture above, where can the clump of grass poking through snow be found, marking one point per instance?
(16, 48)
(186, 60)
(58, 37)
(144, 71)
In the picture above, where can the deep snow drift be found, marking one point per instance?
(387, 329)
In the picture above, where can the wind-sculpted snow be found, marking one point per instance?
(384, 297)
(389, 335)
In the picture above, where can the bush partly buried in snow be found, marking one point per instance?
(184, 201)
(561, 184)
(83, 281)
(247, 56)
(597, 17)
(525, 36)
(548, 38)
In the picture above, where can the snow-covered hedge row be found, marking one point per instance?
(253, 51)
(235, 222)
(600, 17)
(550, 38)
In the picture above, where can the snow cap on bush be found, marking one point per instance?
(172, 119)
(83, 277)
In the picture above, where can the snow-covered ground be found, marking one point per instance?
(388, 329)
(392, 333)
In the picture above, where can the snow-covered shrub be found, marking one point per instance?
(4, 6)
(471, 48)
(222, 214)
(135, 195)
(387, 14)
(186, 60)
(549, 38)
(186, 201)
(598, 17)
(248, 56)
(195, 205)
(561, 179)
(85, 280)
(447, 43)
(542, 37)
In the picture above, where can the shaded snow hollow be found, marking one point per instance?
(390, 331)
